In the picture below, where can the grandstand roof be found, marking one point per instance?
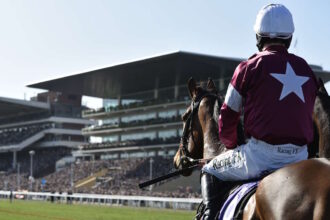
(9, 107)
(143, 75)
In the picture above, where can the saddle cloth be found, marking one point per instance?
(227, 211)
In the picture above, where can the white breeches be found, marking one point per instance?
(253, 160)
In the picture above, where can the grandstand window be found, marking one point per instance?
(109, 121)
(138, 136)
(139, 117)
(129, 101)
(109, 103)
(181, 111)
(138, 154)
(109, 156)
(172, 152)
(167, 114)
(180, 130)
(124, 155)
(95, 139)
(112, 138)
(162, 153)
(167, 133)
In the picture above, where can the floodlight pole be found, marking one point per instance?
(71, 176)
(18, 176)
(32, 152)
(151, 162)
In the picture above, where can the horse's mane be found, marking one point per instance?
(216, 112)
(324, 98)
(321, 117)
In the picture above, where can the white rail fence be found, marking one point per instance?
(107, 200)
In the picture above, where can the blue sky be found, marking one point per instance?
(47, 39)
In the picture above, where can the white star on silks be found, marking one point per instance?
(291, 82)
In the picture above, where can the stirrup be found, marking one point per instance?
(200, 211)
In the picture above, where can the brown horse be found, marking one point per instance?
(297, 191)
(321, 119)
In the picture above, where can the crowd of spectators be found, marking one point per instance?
(128, 143)
(16, 135)
(121, 178)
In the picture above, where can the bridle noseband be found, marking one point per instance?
(185, 156)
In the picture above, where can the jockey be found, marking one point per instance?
(276, 91)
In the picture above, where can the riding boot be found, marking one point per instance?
(213, 193)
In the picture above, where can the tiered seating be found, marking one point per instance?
(16, 135)
(23, 118)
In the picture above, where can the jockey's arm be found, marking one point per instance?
(231, 108)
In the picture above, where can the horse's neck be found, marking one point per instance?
(322, 120)
(212, 144)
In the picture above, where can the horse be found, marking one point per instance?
(321, 121)
(297, 191)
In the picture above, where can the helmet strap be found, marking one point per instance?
(262, 40)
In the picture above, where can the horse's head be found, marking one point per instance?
(200, 126)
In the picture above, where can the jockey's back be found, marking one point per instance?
(278, 90)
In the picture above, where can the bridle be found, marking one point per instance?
(185, 156)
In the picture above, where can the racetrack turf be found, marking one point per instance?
(31, 210)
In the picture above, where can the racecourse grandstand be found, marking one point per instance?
(143, 101)
(44, 129)
(134, 136)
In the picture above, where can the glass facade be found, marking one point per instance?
(139, 136)
(95, 139)
(157, 136)
(167, 133)
(182, 111)
(108, 121)
(167, 114)
(112, 138)
(139, 117)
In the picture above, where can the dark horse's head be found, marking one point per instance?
(200, 125)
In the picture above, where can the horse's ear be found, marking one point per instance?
(211, 86)
(322, 88)
(192, 87)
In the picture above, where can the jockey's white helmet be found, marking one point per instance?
(274, 21)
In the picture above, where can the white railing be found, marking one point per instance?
(78, 198)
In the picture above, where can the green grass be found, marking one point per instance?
(28, 210)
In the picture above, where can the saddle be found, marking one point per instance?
(233, 207)
(233, 201)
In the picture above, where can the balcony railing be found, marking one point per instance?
(127, 143)
(135, 123)
(132, 105)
